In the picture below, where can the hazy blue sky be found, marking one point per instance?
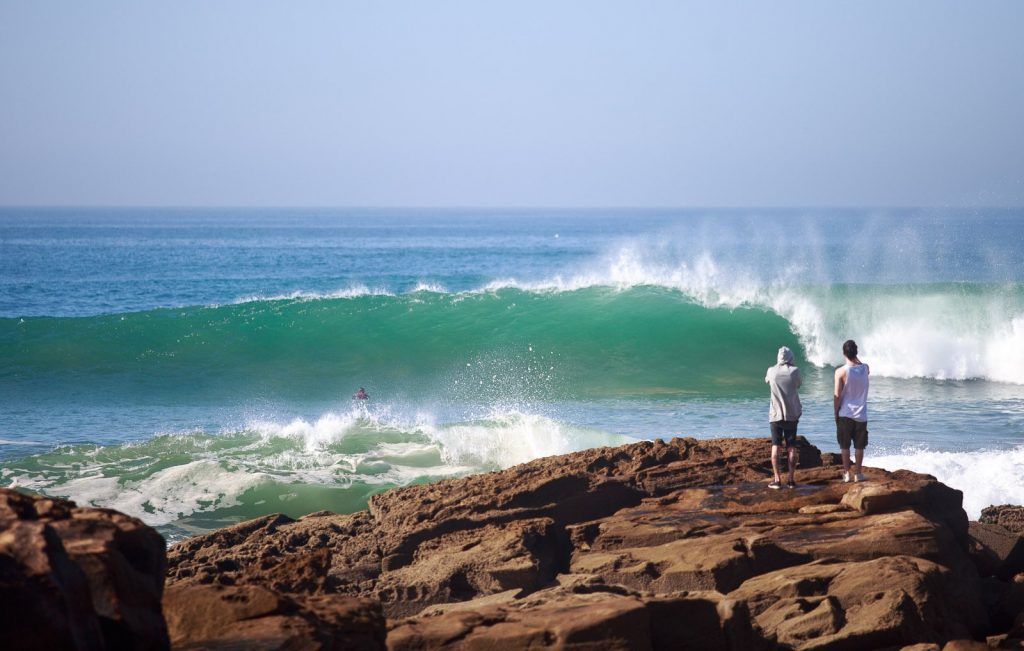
(521, 103)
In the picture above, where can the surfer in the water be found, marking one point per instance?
(361, 394)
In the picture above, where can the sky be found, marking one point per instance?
(556, 103)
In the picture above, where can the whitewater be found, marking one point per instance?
(192, 367)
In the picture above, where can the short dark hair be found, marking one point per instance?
(850, 349)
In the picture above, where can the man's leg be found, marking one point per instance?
(792, 464)
(860, 442)
(844, 436)
(859, 455)
(775, 462)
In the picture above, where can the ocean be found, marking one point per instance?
(194, 367)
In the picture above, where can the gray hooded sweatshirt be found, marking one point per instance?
(784, 381)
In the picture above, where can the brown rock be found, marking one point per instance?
(78, 577)
(124, 561)
(518, 556)
(415, 546)
(559, 618)
(891, 601)
(252, 617)
(1009, 516)
(831, 459)
(718, 562)
(699, 620)
(603, 548)
(716, 539)
(965, 645)
(996, 551)
(44, 595)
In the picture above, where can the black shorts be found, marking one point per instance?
(783, 428)
(849, 430)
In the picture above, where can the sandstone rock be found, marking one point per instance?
(124, 561)
(605, 548)
(464, 538)
(44, 595)
(718, 562)
(614, 548)
(1011, 609)
(965, 645)
(518, 556)
(78, 578)
(1009, 516)
(891, 601)
(996, 550)
(716, 539)
(253, 617)
(558, 618)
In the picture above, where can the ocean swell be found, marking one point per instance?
(691, 329)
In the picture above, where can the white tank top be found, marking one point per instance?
(854, 401)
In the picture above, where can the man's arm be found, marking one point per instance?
(837, 395)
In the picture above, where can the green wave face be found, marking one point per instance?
(510, 343)
(490, 347)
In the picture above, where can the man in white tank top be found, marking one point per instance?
(850, 400)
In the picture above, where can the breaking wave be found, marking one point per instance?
(194, 481)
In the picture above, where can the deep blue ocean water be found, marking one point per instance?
(194, 367)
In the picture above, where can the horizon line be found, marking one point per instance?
(100, 206)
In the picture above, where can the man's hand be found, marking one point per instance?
(837, 395)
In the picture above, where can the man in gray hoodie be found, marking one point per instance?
(784, 381)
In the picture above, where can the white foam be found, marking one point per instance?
(986, 477)
(164, 496)
(507, 438)
(328, 428)
(432, 288)
(353, 291)
(1004, 353)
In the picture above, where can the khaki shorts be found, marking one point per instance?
(848, 430)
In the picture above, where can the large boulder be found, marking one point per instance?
(78, 578)
(889, 601)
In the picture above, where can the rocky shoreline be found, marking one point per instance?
(653, 545)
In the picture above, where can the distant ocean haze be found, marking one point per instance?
(194, 367)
